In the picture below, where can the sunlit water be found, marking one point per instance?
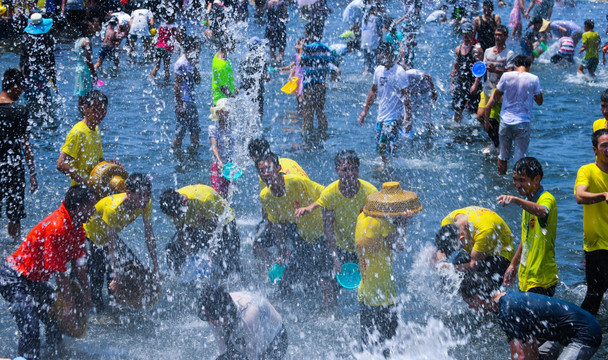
(448, 171)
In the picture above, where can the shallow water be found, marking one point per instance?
(447, 172)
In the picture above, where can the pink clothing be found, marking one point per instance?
(218, 182)
(166, 37)
(299, 73)
(515, 17)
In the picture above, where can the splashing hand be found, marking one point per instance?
(505, 200)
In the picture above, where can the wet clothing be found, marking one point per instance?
(221, 75)
(288, 167)
(83, 145)
(523, 315)
(141, 23)
(592, 41)
(565, 51)
(14, 120)
(541, 8)
(167, 34)
(276, 28)
(83, 82)
(380, 319)
(188, 121)
(485, 32)
(307, 265)
(463, 81)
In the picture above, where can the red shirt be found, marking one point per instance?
(49, 247)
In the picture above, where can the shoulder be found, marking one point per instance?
(367, 186)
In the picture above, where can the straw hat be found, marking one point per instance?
(221, 105)
(38, 25)
(108, 178)
(544, 26)
(391, 201)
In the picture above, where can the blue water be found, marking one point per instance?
(448, 171)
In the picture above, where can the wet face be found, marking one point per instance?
(601, 151)
(487, 11)
(140, 198)
(500, 37)
(524, 185)
(268, 172)
(386, 59)
(348, 171)
(96, 112)
(604, 107)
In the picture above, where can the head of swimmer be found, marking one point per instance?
(94, 107)
(386, 55)
(80, 203)
(488, 8)
(13, 83)
(173, 204)
(216, 306)
(269, 169)
(139, 190)
(599, 140)
(479, 292)
(346, 164)
(527, 175)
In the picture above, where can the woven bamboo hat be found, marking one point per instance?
(391, 201)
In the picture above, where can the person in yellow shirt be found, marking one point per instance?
(602, 123)
(310, 261)
(376, 240)
(82, 150)
(483, 235)
(263, 238)
(105, 249)
(342, 202)
(535, 256)
(200, 216)
(591, 190)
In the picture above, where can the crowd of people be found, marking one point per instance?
(308, 229)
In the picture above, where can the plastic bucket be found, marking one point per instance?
(275, 273)
(291, 85)
(350, 276)
(231, 171)
(479, 69)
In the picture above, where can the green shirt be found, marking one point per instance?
(591, 39)
(221, 75)
(537, 267)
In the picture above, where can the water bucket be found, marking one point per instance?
(138, 289)
(275, 273)
(350, 276)
(291, 85)
(231, 171)
(479, 69)
(540, 48)
(78, 327)
(108, 178)
(99, 82)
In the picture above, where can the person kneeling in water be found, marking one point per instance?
(245, 325)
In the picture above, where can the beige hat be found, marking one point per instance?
(545, 25)
(391, 201)
(221, 105)
(36, 19)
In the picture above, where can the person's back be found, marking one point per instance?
(566, 47)
(315, 59)
(519, 89)
(38, 56)
(140, 22)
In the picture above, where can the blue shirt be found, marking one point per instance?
(315, 61)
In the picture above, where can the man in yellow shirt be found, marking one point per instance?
(310, 261)
(201, 216)
(535, 256)
(342, 202)
(602, 123)
(483, 235)
(591, 190)
(112, 214)
(82, 149)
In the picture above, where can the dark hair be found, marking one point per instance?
(522, 60)
(189, 43)
(12, 77)
(477, 284)
(537, 19)
(346, 155)
(257, 147)
(170, 202)
(269, 155)
(78, 195)
(388, 23)
(137, 181)
(503, 29)
(94, 96)
(589, 23)
(528, 166)
(447, 239)
(385, 48)
(604, 97)
(596, 136)
(215, 303)
(488, 3)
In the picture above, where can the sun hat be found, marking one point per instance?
(223, 105)
(391, 201)
(545, 25)
(38, 25)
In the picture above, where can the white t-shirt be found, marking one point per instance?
(260, 324)
(519, 90)
(369, 33)
(123, 18)
(183, 68)
(502, 61)
(390, 83)
(141, 19)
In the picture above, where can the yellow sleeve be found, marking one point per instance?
(582, 177)
(483, 240)
(147, 214)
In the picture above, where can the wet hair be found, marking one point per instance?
(189, 43)
(269, 155)
(78, 195)
(604, 97)
(537, 19)
(388, 23)
(589, 24)
(528, 166)
(170, 202)
(348, 156)
(385, 48)
(215, 303)
(447, 239)
(11, 78)
(503, 29)
(138, 181)
(522, 60)
(94, 96)
(489, 4)
(477, 284)
(596, 136)
(258, 147)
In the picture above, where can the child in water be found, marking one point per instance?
(297, 70)
(85, 71)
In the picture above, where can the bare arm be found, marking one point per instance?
(63, 165)
(496, 94)
(523, 350)
(585, 197)
(63, 283)
(278, 232)
(476, 257)
(371, 97)
(407, 104)
(530, 206)
(328, 228)
(151, 243)
(305, 210)
(216, 153)
(80, 266)
(497, 20)
(538, 99)
(87, 56)
(509, 277)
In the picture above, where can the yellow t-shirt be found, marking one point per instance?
(299, 192)
(109, 213)
(489, 231)
(345, 211)
(84, 146)
(599, 124)
(204, 204)
(595, 216)
(592, 40)
(537, 267)
(288, 167)
(377, 286)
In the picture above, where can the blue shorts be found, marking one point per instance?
(590, 64)
(104, 52)
(188, 121)
(525, 49)
(387, 134)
